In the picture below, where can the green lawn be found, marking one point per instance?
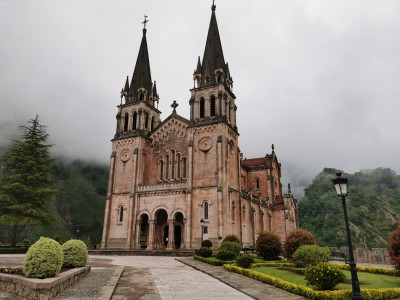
(367, 280)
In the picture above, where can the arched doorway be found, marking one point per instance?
(161, 229)
(144, 231)
(178, 226)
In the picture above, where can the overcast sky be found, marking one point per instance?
(319, 79)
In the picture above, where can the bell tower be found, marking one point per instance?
(213, 138)
(212, 99)
(138, 113)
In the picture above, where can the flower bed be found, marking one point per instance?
(12, 270)
(368, 294)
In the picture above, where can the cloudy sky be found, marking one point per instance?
(319, 79)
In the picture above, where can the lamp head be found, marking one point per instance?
(340, 184)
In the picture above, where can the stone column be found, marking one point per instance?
(152, 225)
(171, 237)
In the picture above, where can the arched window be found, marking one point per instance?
(134, 120)
(126, 122)
(184, 167)
(173, 164)
(178, 168)
(121, 214)
(212, 106)
(141, 96)
(257, 183)
(167, 167)
(229, 112)
(146, 120)
(161, 169)
(205, 212)
(202, 107)
(152, 123)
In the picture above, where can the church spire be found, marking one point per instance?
(141, 78)
(213, 68)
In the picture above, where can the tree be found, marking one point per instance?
(26, 181)
(394, 247)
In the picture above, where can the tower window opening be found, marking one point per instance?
(126, 122)
(134, 120)
(202, 107)
(205, 212)
(121, 214)
(141, 96)
(152, 123)
(146, 120)
(212, 106)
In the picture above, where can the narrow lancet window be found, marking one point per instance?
(205, 210)
(173, 164)
(121, 214)
(126, 122)
(202, 107)
(134, 120)
(212, 106)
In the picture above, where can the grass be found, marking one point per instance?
(367, 280)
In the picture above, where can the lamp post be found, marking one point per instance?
(341, 190)
(202, 228)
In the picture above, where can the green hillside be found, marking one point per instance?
(78, 207)
(373, 205)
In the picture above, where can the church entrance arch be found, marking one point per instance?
(178, 232)
(161, 229)
(144, 231)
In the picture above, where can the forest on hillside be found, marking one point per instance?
(373, 205)
(78, 207)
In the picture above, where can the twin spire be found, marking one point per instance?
(141, 87)
(212, 70)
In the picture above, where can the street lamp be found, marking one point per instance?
(341, 190)
(202, 228)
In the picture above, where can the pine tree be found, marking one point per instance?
(27, 186)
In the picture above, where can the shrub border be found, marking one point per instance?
(368, 294)
(373, 270)
(214, 262)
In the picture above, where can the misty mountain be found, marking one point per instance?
(373, 205)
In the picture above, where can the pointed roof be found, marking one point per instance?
(141, 77)
(213, 57)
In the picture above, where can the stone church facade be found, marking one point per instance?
(167, 176)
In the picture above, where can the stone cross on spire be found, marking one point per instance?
(144, 22)
(174, 105)
(213, 5)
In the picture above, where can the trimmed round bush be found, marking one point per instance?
(204, 252)
(268, 246)
(228, 250)
(245, 260)
(231, 238)
(324, 276)
(310, 255)
(206, 243)
(44, 259)
(297, 238)
(75, 254)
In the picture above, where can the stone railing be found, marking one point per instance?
(162, 186)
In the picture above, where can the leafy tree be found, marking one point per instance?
(394, 247)
(26, 182)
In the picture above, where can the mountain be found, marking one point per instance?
(373, 205)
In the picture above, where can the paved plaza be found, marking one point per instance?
(156, 277)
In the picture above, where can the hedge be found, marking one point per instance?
(212, 261)
(13, 250)
(373, 270)
(368, 294)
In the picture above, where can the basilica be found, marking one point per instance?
(175, 182)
